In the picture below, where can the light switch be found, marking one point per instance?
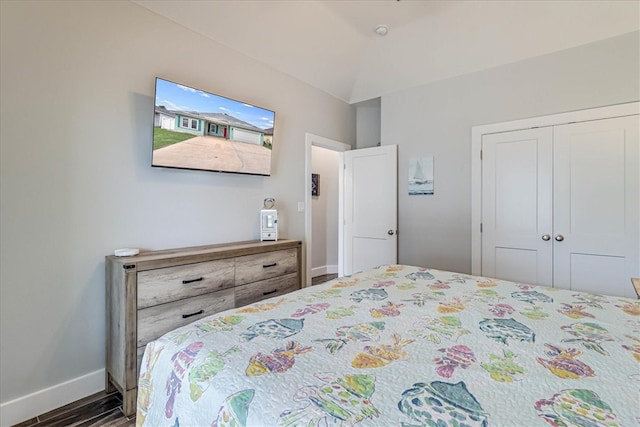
(300, 206)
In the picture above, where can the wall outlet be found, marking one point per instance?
(300, 206)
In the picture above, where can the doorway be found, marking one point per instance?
(367, 206)
(325, 150)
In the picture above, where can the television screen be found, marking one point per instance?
(194, 129)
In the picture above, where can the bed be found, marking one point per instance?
(402, 345)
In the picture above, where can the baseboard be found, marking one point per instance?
(325, 269)
(48, 399)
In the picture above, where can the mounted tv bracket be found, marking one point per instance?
(269, 220)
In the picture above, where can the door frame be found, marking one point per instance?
(477, 132)
(312, 140)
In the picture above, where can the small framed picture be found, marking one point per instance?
(315, 184)
(420, 175)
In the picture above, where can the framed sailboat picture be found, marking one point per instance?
(420, 175)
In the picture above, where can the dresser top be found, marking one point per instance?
(167, 257)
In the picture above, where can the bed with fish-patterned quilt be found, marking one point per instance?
(402, 346)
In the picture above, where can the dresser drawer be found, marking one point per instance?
(160, 319)
(168, 284)
(253, 292)
(251, 268)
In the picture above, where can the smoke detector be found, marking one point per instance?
(382, 30)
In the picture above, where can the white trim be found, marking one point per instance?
(318, 141)
(620, 110)
(325, 269)
(332, 269)
(48, 399)
(341, 205)
(598, 113)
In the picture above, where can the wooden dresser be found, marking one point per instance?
(155, 292)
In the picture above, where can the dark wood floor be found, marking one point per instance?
(98, 410)
(101, 409)
(324, 278)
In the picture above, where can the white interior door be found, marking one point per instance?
(369, 208)
(516, 206)
(596, 232)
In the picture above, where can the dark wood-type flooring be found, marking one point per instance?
(102, 409)
(98, 410)
(324, 278)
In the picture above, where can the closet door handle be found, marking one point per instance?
(546, 237)
(559, 238)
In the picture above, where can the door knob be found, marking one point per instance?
(390, 232)
(546, 237)
(559, 238)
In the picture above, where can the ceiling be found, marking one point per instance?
(332, 45)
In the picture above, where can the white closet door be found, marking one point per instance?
(596, 230)
(517, 206)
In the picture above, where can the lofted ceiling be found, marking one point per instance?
(332, 45)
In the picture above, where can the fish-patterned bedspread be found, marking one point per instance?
(402, 346)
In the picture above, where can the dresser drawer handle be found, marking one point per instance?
(199, 279)
(184, 316)
(270, 265)
(270, 292)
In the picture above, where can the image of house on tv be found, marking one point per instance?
(220, 125)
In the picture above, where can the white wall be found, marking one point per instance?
(77, 82)
(325, 212)
(368, 123)
(436, 119)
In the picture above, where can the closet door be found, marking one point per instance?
(595, 204)
(517, 206)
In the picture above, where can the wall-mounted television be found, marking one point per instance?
(195, 129)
